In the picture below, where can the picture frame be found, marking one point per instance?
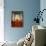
(17, 19)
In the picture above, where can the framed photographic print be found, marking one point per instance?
(17, 19)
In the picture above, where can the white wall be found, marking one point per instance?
(1, 20)
(43, 6)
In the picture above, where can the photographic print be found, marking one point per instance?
(17, 19)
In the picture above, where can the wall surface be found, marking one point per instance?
(29, 7)
(43, 6)
(1, 20)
